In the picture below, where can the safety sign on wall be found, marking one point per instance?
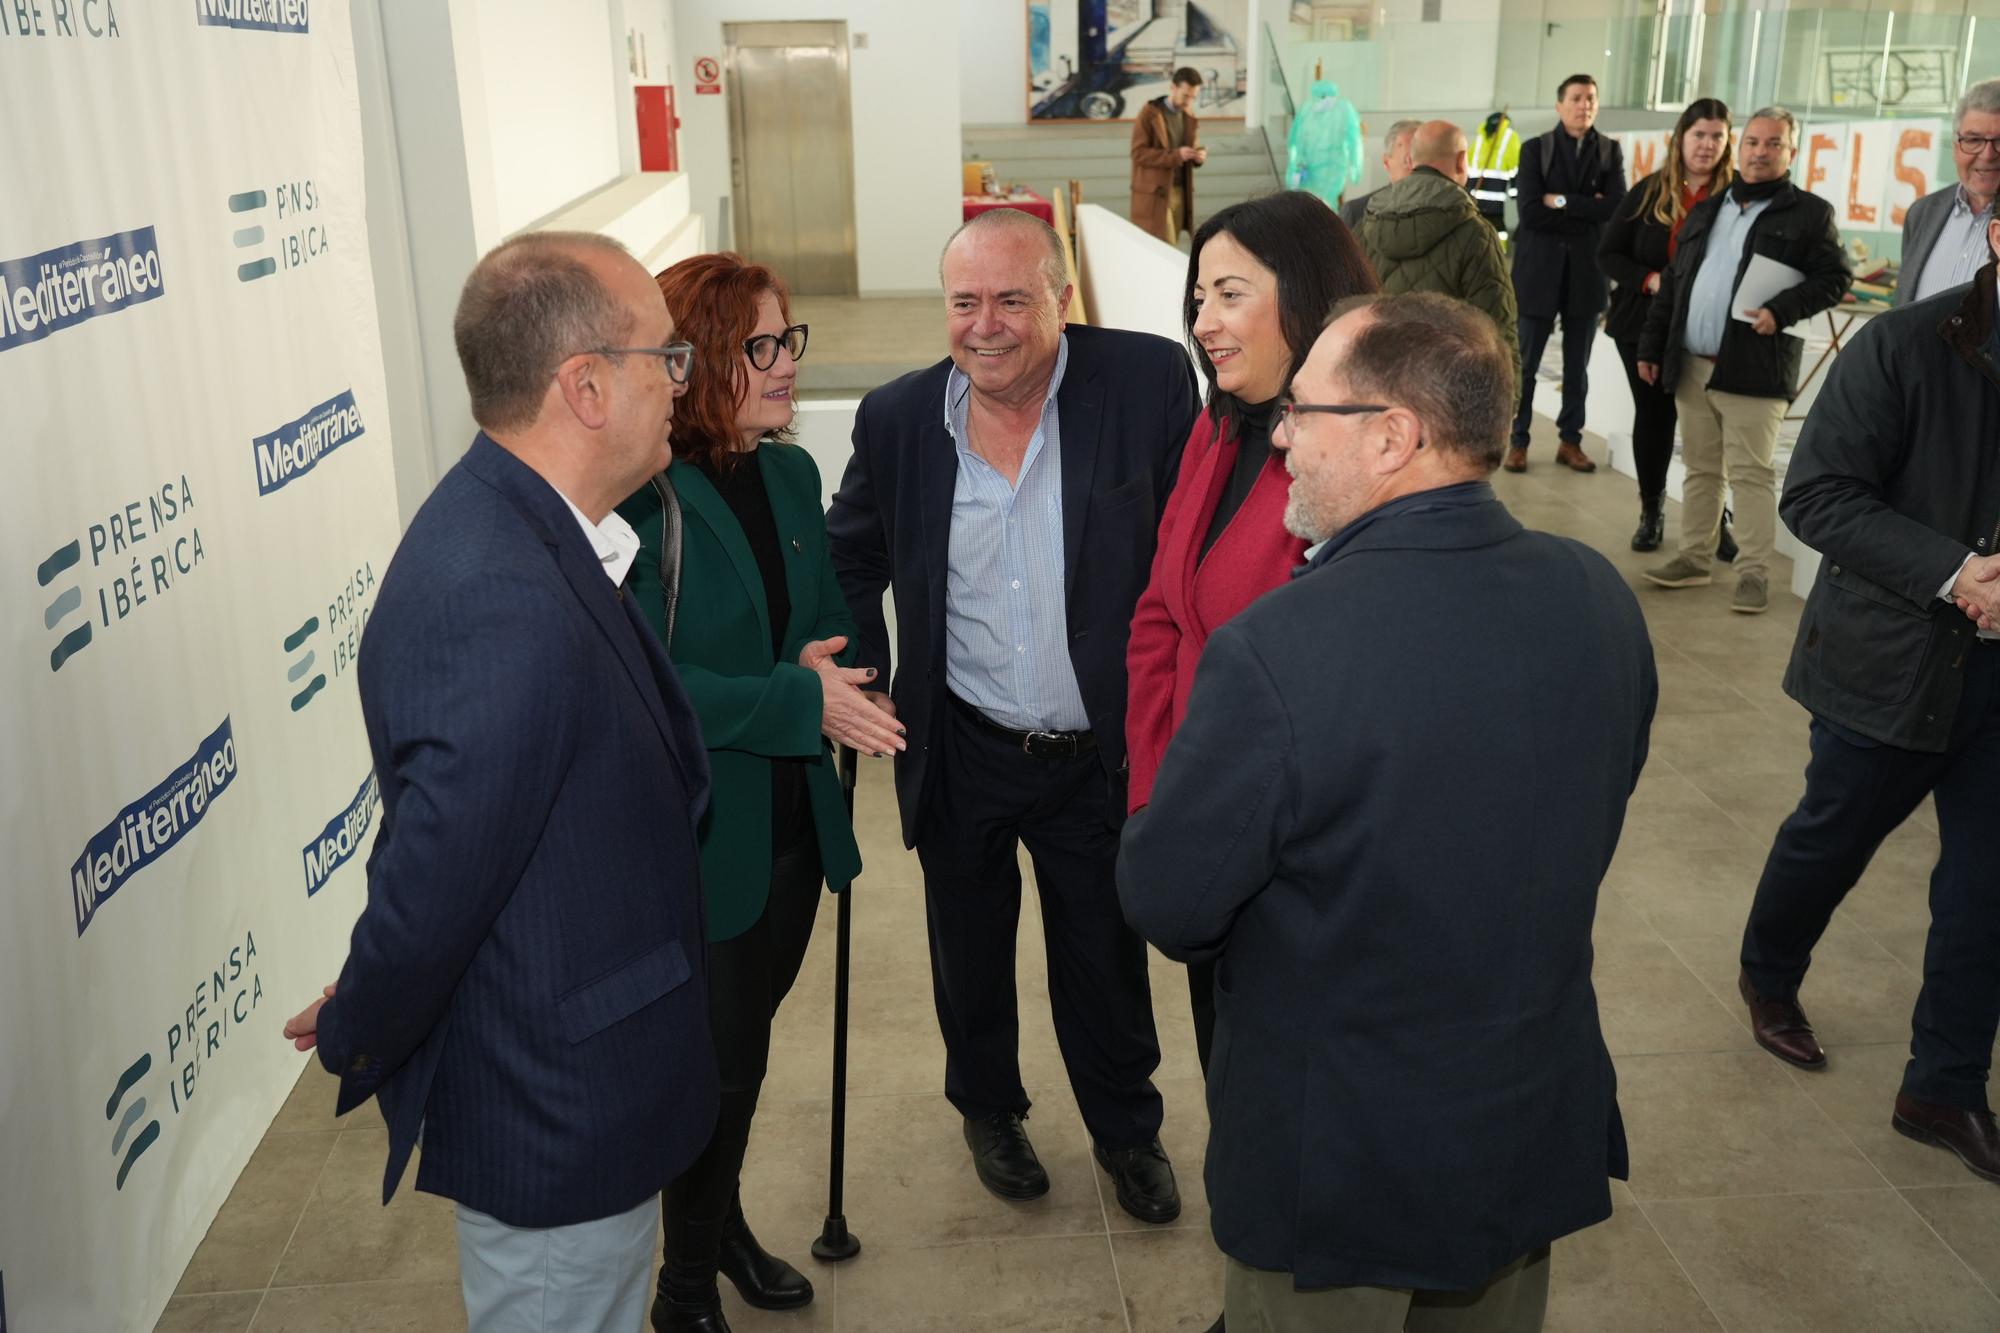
(707, 75)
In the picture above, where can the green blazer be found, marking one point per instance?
(750, 707)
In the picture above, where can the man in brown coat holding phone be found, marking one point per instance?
(1166, 148)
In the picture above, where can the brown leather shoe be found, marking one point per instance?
(1516, 460)
(1574, 458)
(1969, 1134)
(1781, 1028)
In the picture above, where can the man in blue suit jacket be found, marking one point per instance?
(524, 990)
(1011, 495)
(1388, 826)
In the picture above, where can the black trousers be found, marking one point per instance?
(1654, 418)
(1579, 332)
(988, 800)
(1857, 792)
(748, 978)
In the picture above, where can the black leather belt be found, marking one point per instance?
(1034, 744)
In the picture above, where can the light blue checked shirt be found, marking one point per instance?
(1715, 280)
(1960, 249)
(1006, 615)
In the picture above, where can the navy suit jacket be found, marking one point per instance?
(1390, 825)
(1126, 405)
(526, 985)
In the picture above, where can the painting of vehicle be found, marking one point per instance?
(1103, 59)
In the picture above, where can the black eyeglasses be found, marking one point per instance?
(1290, 411)
(763, 349)
(678, 356)
(1972, 145)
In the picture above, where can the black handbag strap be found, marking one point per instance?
(670, 549)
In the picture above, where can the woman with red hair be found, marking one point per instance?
(746, 602)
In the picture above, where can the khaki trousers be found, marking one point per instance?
(1727, 431)
(1514, 1300)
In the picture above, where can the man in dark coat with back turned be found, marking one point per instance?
(1571, 181)
(1011, 495)
(1896, 482)
(525, 993)
(1410, 1096)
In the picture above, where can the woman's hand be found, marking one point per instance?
(1651, 286)
(847, 715)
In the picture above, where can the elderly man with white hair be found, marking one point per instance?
(1944, 235)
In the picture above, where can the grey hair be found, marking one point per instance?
(528, 305)
(1402, 129)
(1055, 264)
(1982, 96)
(1783, 117)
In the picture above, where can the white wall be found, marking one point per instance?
(904, 89)
(1131, 279)
(993, 61)
(546, 94)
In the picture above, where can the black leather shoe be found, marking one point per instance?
(762, 1279)
(1725, 545)
(1003, 1157)
(1971, 1136)
(689, 1311)
(1145, 1181)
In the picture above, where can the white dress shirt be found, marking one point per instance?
(616, 545)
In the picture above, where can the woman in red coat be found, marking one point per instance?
(1262, 278)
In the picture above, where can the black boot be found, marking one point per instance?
(1652, 523)
(1725, 545)
(687, 1302)
(762, 1279)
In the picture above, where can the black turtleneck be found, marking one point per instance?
(1253, 447)
(1745, 194)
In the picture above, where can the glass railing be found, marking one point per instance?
(1279, 105)
(1857, 62)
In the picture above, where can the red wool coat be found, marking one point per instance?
(1189, 595)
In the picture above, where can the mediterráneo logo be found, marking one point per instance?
(49, 292)
(149, 827)
(342, 837)
(256, 15)
(295, 448)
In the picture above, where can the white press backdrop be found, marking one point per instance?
(200, 501)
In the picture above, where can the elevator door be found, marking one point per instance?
(791, 147)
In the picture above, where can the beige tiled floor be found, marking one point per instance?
(1762, 1198)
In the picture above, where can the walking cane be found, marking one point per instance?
(835, 1241)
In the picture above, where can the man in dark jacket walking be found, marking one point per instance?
(1323, 826)
(1424, 233)
(1897, 485)
(1730, 366)
(1571, 181)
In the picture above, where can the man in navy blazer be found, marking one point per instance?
(1388, 826)
(1011, 496)
(524, 991)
